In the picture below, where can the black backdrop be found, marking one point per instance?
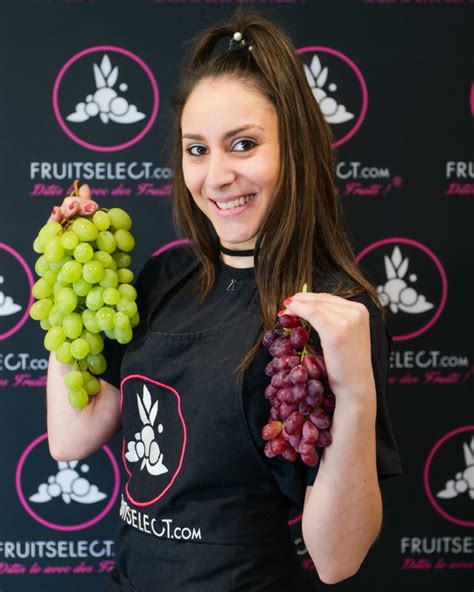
(398, 93)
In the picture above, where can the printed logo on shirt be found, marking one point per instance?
(16, 282)
(155, 438)
(69, 495)
(411, 283)
(448, 476)
(114, 112)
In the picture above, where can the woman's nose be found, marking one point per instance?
(219, 172)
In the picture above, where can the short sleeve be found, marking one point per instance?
(113, 350)
(387, 455)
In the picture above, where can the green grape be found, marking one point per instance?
(83, 252)
(38, 245)
(56, 315)
(66, 300)
(105, 318)
(124, 335)
(110, 334)
(127, 291)
(104, 258)
(71, 271)
(120, 219)
(124, 240)
(101, 219)
(50, 277)
(85, 229)
(49, 230)
(135, 320)
(129, 307)
(41, 265)
(80, 348)
(69, 240)
(78, 398)
(57, 265)
(53, 338)
(45, 324)
(122, 259)
(63, 353)
(95, 341)
(82, 364)
(61, 280)
(111, 296)
(110, 279)
(72, 325)
(93, 271)
(40, 309)
(74, 379)
(54, 251)
(95, 300)
(125, 276)
(81, 287)
(89, 321)
(121, 321)
(97, 364)
(106, 241)
(92, 385)
(41, 289)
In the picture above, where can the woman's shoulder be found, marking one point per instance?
(167, 263)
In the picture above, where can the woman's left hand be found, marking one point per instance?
(343, 327)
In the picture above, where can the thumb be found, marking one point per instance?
(85, 192)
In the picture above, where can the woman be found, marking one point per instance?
(203, 507)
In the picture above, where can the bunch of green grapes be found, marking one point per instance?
(85, 289)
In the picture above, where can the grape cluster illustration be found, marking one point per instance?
(84, 289)
(302, 404)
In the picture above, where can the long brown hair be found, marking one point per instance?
(304, 228)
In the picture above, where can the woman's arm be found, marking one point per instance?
(76, 433)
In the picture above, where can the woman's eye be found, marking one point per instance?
(191, 148)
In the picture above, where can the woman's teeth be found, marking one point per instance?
(240, 201)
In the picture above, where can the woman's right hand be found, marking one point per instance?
(75, 205)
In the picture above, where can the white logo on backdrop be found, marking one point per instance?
(396, 293)
(68, 484)
(105, 101)
(464, 480)
(317, 77)
(7, 306)
(145, 447)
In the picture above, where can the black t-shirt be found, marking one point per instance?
(232, 292)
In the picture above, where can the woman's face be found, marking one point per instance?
(230, 151)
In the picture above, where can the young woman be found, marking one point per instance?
(203, 508)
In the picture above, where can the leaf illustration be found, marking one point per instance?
(403, 268)
(396, 256)
(112, 79)
(468, 454)
(321, 81)
(309, 76)
(141, 411)
(146, 398)
(99, 77)
(315, 65)
(389, 269)
(105, 65)
(153, 412)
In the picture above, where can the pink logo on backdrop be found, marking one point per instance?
(339, 88)
(411, 283)
(448, 476)
(105, 93)
(16, 282)
(66, 496)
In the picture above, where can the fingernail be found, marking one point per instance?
(287, 301)
(53, 212)
(72, 205)
(282, 312)
(89, 207)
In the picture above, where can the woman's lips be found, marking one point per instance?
(233, 211)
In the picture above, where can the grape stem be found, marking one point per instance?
(307, 325)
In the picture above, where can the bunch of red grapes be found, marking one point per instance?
(302, 402)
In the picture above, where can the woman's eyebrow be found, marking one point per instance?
(227, 134)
